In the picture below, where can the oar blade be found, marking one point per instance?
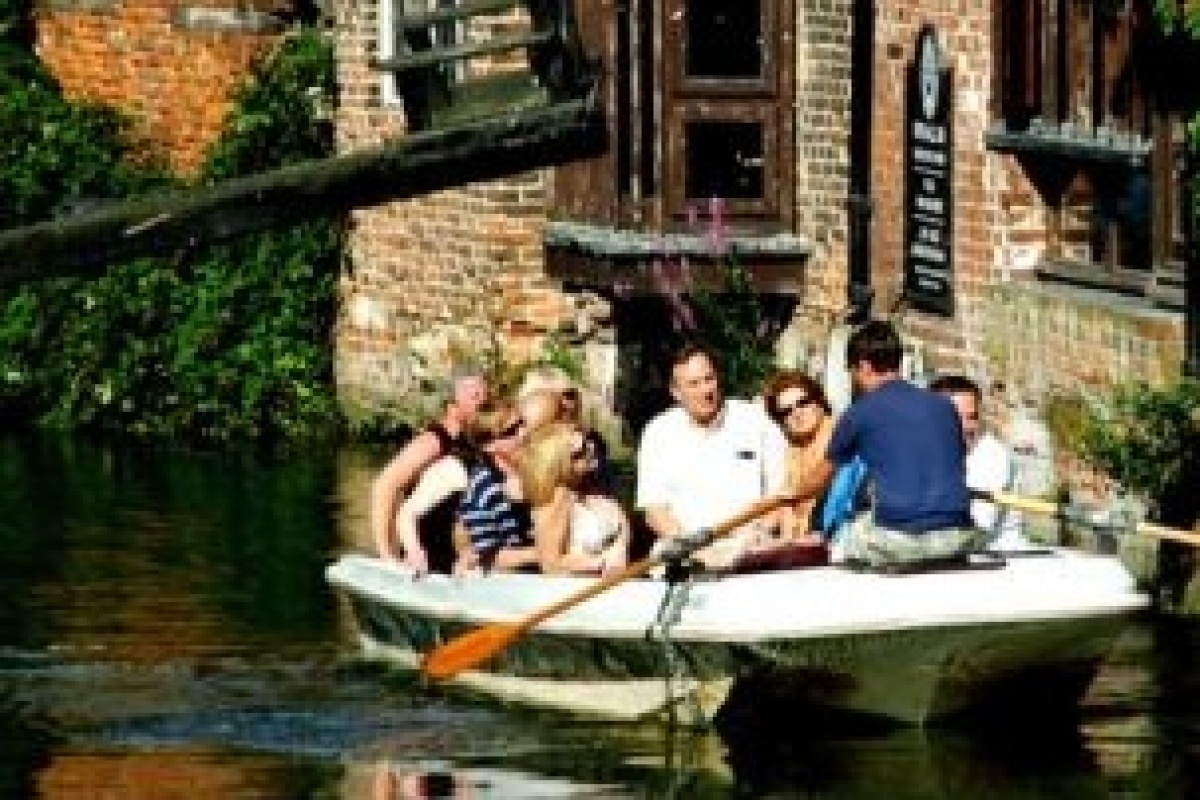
(468, 651)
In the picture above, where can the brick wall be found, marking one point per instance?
(963, 30)
(1009, 330)
(169, 65)
(822, 146)
(438, 278)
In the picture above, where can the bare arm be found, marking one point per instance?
(616, 555)
(660, 520)
(388, 486)
(441, 479)
(552, 533)
(510, 558)
(813, 483)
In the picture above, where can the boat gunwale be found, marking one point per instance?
(1131, 602)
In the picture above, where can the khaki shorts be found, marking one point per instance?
(879, 546)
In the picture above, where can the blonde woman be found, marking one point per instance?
(577, 529)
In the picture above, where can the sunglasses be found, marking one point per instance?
(582, 451)
(512, 430)
(800, 402)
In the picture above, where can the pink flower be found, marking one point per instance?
(718, 232)
(671, 279)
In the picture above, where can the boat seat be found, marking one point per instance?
(978, 560)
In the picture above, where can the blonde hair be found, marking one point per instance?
(489, 422)
(544, 377)
(546, 460)
(540, 407)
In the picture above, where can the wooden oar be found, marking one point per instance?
(475, 647)
(1046, 507)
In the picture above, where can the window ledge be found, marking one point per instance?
(80, 6)
(601, 242)
(226, 20)
(1056, 281)
(1084, 145)
(1128, 282)
(640, 262)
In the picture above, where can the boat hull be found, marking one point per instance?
(612, 660)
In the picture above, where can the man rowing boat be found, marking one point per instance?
(911, 442)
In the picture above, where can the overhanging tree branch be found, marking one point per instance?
(414, 165)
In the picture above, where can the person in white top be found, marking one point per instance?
(576, 528)
(990, 466)
(706, 459)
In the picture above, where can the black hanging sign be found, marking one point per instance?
(928, 180)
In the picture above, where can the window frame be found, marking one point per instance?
(1056, 105)
(683, 112)
(766, 100)
(679, 84)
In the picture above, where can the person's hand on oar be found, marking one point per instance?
(475, 647)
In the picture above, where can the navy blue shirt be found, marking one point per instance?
(911, 441)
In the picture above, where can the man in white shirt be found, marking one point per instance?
(990, 465)
(706, 459)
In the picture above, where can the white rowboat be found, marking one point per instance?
(914, 648)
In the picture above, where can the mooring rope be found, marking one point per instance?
(679, 581)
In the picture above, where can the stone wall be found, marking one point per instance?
(455, 275)
(1025, 339)
(436, 276)
(171, 66)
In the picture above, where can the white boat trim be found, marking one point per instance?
(912, 647)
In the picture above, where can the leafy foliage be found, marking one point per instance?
(223, 342)
(284, 113)
(1148, 439)
(57, 155)
(1176, 16)
(732, 321)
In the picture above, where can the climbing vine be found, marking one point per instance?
(223, 342)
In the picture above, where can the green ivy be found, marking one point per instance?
(1175, 16)
(226, 342)
(1148, 439)
(57, 155)
(731, 320)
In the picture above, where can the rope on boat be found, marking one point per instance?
(679, 581)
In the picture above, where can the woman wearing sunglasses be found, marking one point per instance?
(495, 523)
(578, 527)
(427, 517)
(801, 409)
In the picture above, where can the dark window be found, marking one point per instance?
(723, 159)
(727, 76)
(724, 39)
(703, 98)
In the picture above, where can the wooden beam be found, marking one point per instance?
(414, 165)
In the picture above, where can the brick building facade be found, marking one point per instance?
(454, 275)
(782, 129)
(512, 257)
(171, 66)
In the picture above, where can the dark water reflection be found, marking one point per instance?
(166, 632)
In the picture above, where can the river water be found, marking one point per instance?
(166, 632)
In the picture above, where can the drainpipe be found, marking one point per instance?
(862, 61)
(1191, 274)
